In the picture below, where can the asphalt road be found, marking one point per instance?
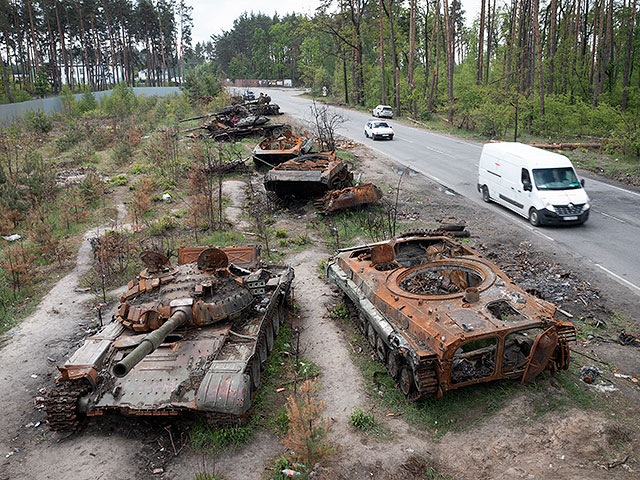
(609, 240)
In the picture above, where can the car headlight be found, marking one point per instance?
(587, 206)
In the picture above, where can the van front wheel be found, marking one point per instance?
(534, 217)
(485, 194)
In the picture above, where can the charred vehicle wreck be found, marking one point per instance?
(187, 337)
(442, 317)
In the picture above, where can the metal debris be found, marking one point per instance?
(349, 197)
(589, 373)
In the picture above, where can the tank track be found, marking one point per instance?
(453, 230)
(61, 405)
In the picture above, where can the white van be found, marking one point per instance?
(539, 185)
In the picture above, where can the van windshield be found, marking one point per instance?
(555, 178)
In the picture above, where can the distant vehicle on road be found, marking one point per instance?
(377, 129)
(383, 111)
(249, 96)
(539, 185)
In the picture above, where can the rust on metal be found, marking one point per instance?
(281, 147)
(308, 175)
(442, 317)
(349, 197)
(192, 336)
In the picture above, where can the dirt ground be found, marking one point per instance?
(513, 442)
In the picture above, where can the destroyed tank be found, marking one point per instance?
(309, 175)
(187, 337)
(442, 317)
(281, 147)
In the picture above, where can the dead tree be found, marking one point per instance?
(326, 121)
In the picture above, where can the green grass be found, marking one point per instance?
(223, 238)
(207, 438)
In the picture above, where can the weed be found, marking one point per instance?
(322, 268)
(204, 437)
(281, 233)
(118, 181)
(340, 312)
(39, 121)
(282, 463)
(121, 153)
(306, 369)
(161, 225)
(362, 420)
(70, 138)
(223, 238)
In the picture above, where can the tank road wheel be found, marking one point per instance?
(262, 352)
(485, 194)
(405, 381)
(255, 373)
(381, 350)
(371, 336)
(269, 336)
(393, 365)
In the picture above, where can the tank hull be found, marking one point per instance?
(441, 317)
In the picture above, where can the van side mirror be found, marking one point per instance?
(582, 182)
(526, 186)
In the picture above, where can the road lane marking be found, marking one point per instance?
(610, 216)
(619, 278)
(437, 151)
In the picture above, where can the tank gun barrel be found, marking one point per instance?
(150, 343)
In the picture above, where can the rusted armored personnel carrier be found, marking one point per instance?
(280, 148)
(186, 337)
(308, 175)
(349, 197)
(441, 317)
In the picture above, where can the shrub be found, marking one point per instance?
(88, 101)
(121, 153)
(71, 137)
(281, 233)
(362, 420)
(161, 225)
(39, 121)
(118, 180)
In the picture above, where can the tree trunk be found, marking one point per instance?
(490, 28)
(33, 37)
(449, 47)
(514, 15)
(480, 59)
(428, 47)
(412, 51)
(627, 59)
(383, 83)
(62, 45)
(394, 57)
(538, 47)
(598, 58)
(552, 42)
(5, 78)
(436, 70)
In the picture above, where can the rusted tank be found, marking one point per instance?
(349, 197)
(442, 317)
(192, 336)
(281, 147)
(309, 175)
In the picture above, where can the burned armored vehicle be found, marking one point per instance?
(281, 147)
(349, 197)
(192, 336)
(442, 317)
(309, 175)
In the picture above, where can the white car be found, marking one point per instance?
(383, 111)
(378, 129)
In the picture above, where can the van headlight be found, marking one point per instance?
(586, 206)
(549, 207)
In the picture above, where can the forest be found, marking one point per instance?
(550, 68)
(45, 44)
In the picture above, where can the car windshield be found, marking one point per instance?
(380, 125)
(555, 178)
